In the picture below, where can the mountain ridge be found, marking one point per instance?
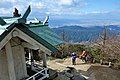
(76, 33)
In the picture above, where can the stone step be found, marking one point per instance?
(52, 74)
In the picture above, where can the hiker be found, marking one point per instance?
(74, 56)
(83, 56)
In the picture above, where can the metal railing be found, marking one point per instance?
(43, 72)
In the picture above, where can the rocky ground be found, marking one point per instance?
(89, 71)
(97, 72)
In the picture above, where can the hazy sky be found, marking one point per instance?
(78, 9)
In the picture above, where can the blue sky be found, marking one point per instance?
(65, 9)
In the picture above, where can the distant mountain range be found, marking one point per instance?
(77, 33)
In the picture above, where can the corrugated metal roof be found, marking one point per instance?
(46, 33)
(42, 33)
(39, 31)
(1, 31)
(33, 35)
(9, 21)
(38, 28)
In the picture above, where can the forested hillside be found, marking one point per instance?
(78, 33)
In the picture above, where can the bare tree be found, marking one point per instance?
(109, 45)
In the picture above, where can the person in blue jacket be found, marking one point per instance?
(74, 56)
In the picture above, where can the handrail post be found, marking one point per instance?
(46, 73)
(34, 78)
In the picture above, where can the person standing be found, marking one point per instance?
(83, 56)
(74, 56)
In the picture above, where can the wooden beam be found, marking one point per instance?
(30, 46)
(30, 40)
(5, 40)
(26, 38)
(11, 69)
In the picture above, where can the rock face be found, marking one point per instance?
(102, 73)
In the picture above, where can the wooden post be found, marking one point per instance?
(44, 59)
(11, 69)
(29, 56)
(31, 60)
(23, 62)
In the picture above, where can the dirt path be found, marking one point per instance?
(93, 71)
(62, 64)
(53, 65)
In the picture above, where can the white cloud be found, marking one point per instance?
(66, 2)
(4, 11)
(37, 5)
(99, 12)
(11, 1)
(19, 7)
(51, 7)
